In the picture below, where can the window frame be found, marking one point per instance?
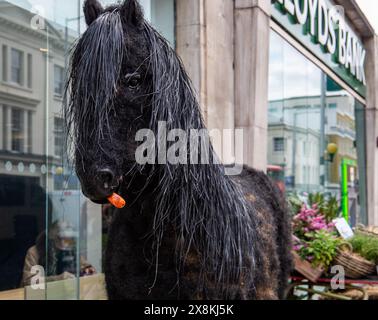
(20, 130)
(275, 144)
(58, 135)
(58, 81)
(19, 68)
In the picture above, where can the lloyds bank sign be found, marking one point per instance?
(322, 27)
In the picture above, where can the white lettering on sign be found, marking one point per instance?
(327, 26)
(301, 12)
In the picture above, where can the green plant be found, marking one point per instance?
(320, 248)
(327, 206)
(317, 199)
(295, 203)
(366, 246)
(333, 209)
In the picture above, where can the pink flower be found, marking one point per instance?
(297, 248)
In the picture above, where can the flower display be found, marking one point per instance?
(314, 239)
(310, 220)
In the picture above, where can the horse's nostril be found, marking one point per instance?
(106, 178)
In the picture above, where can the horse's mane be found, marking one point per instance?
(92, 79)
(206, 208)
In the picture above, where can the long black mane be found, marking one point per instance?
(207, 209)
(92, 80)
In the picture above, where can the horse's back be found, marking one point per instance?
(273, 231)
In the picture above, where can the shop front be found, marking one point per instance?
(317, 103)
(298, 77)
(308, 98)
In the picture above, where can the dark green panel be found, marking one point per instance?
(302, 35)
(360, 114)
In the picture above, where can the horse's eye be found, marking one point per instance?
(133, 80)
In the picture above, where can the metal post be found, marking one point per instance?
(344, 190)
(323, 103)
(47, 110)
(79, 16)
(294, 154)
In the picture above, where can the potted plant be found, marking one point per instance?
(315, 242)
(360, 256)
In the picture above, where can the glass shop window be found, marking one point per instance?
(52, 239)
(323, 125)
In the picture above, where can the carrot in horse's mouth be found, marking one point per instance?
(117, 201)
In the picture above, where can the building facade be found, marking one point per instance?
(297, 77)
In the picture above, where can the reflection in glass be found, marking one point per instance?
(40, 198)
(58, 80)
(294, 116)
(308, 112)
(45, 219)
(17, 130)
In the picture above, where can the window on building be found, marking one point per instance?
(5, 62)
(279, 144)
(305, 148)
(58, 136)
(17, 130)
(16, 66)
(30, 71)
(29, 137)
(58, 80)
(4, 125)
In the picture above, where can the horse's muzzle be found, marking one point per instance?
(102, 185)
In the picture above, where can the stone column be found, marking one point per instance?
(225, 47)
(252, 32)
(191, 43)
(205, 42)
(372, 129)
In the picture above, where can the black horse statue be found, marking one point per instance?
(189, 231)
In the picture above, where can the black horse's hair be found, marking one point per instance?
(94, 74)
(208, 210)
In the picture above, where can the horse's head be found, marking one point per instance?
(109, 94)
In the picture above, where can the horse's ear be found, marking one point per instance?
(132, 12)
(92, 10)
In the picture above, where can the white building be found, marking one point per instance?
(31, 89)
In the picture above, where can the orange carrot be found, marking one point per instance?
(117, 201)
